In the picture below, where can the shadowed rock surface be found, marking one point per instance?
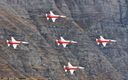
(86, 20)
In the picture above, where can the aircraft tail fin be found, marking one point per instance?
(97, 41)
(47, 17)
(57, 42)
(7, 43)
(64, 68)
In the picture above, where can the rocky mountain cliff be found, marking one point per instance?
(86, 20)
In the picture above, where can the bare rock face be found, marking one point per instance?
(86, 20)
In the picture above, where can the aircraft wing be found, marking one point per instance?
(62, 39)
(64, 45)
(12, 38)
(54, 19)
(51, 13)
(72, 71)
(14, 46)
(104, 44)
(101, 37)
(69, 64)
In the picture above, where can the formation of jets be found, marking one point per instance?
(61, 41)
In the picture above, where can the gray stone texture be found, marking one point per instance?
(43, 58)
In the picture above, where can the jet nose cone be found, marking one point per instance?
(113, 40)
(63, 16)
(25, 42)
(81, 67)
(73, 41)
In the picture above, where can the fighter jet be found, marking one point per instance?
(104, 41)
(15, 43)
(53, 16)
(64, 42)
(72, 68)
